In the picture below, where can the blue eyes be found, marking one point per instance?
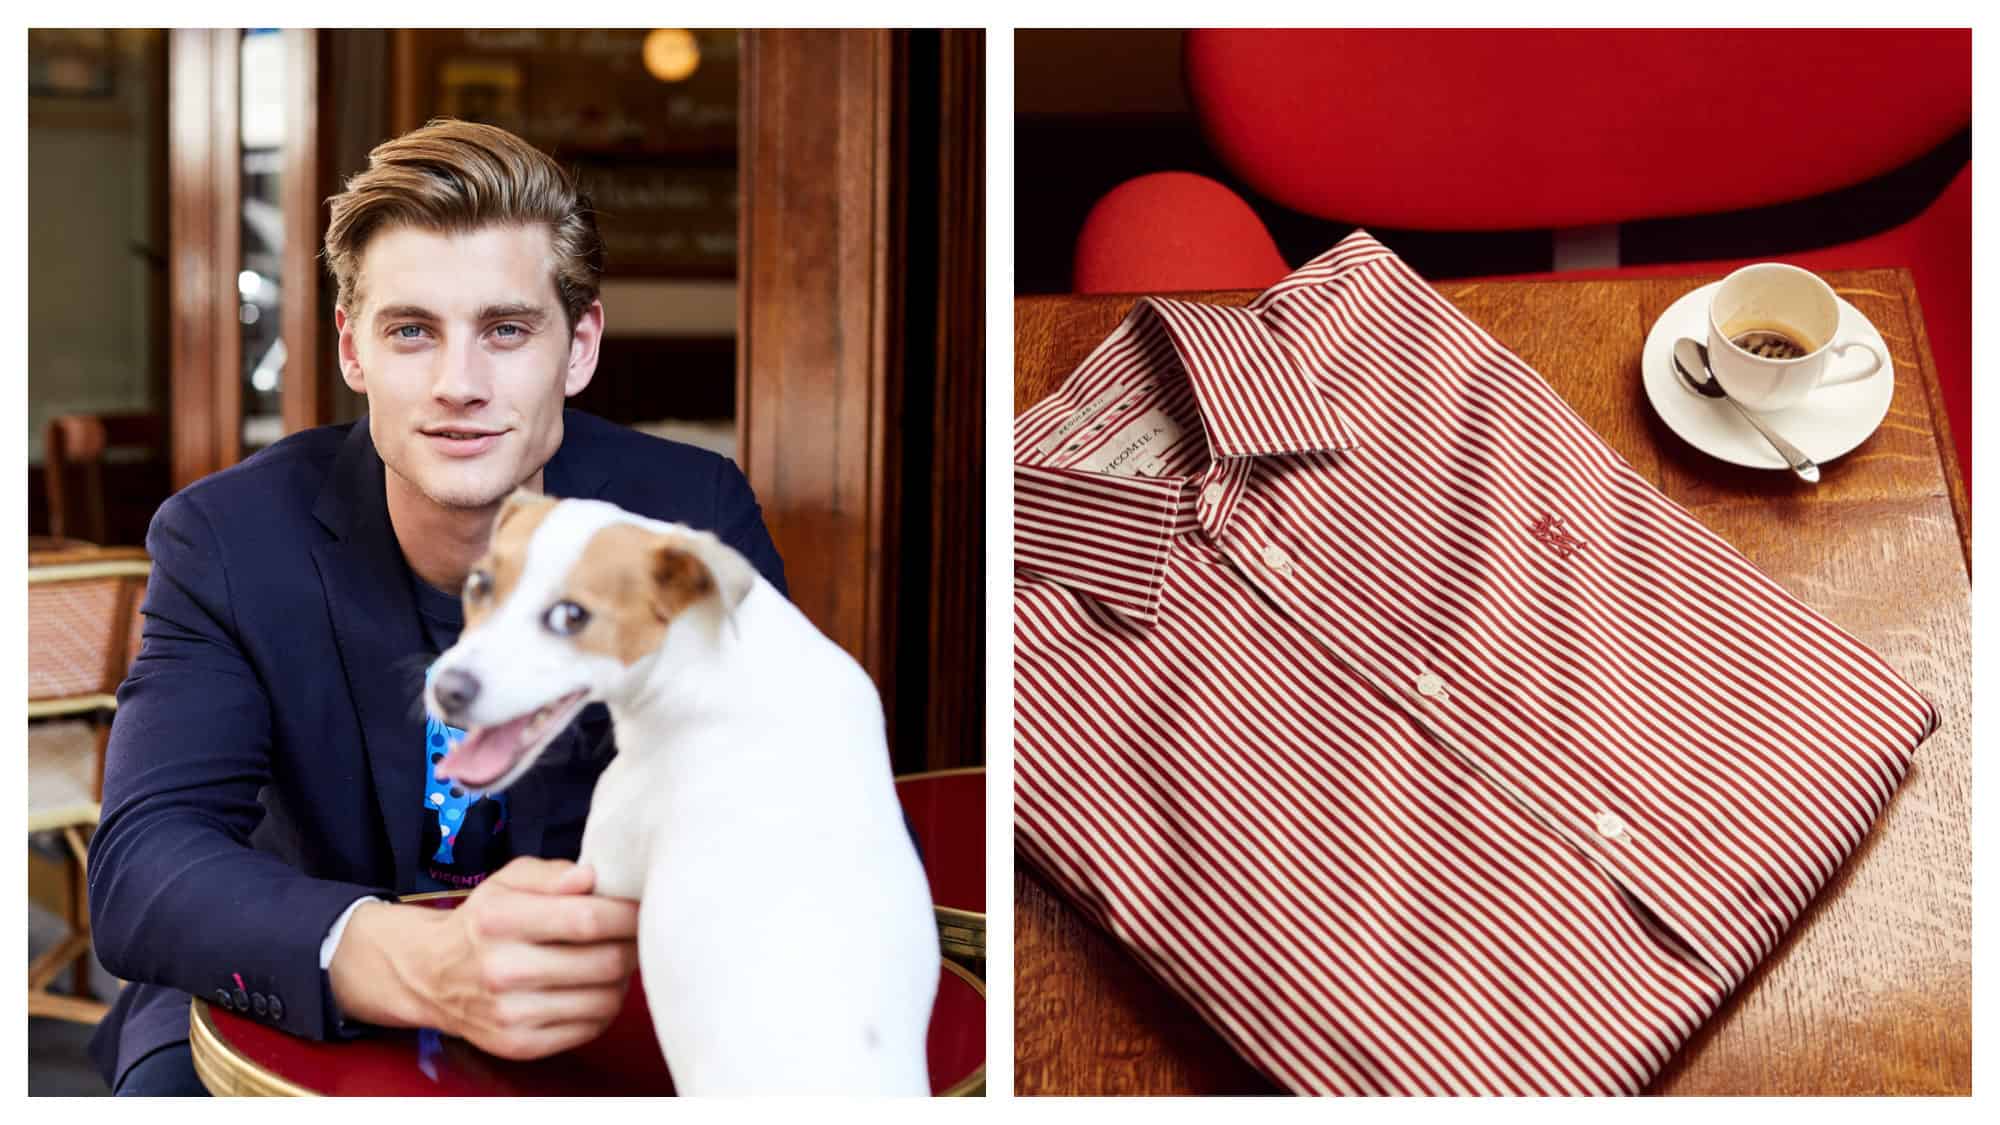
(508, 332)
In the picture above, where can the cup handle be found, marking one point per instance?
(1854, 376)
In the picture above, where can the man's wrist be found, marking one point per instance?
(380, 972)
(331, 945)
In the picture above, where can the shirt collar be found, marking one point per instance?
(1254, 400)
(1109, 537)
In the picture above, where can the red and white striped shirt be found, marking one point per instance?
(1392, 720)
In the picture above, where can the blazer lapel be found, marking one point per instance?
(374, 615)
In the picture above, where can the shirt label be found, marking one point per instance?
(1078, 419)
(1137, 449)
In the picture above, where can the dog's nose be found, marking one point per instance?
(456, 689)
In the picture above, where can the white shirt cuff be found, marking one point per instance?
(332, 942)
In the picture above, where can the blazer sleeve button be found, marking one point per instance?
(257, 1002)
(222, 999)
(242, 1000)
(277, 1009)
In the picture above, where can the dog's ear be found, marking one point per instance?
(691, 565)
(518, 501)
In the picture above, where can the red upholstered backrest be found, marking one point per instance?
(1496, 130)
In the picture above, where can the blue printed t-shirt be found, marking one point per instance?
(465, 833)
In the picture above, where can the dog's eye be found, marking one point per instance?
(477, 585)
(567, 617)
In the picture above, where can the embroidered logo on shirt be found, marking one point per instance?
(1550, 530)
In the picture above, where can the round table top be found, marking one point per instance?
(235, 1055)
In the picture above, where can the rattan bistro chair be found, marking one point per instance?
(83, 630)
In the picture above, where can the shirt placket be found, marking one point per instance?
(1218, 490)
(1607, 837)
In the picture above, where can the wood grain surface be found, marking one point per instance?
(818, 360)
(1871, 993)
(205, 251)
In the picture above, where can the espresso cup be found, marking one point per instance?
(1765, 306)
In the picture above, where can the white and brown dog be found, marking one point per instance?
(785, 929)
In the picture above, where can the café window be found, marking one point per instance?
(97, 264)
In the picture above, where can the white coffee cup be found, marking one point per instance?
(1772, 297)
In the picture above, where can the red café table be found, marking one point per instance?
(947, 809)
(239, 1057)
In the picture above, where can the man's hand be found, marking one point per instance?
(529, 964)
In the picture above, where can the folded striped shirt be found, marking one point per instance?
(1392, 720)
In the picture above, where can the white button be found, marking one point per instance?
(1609, 825)
(1274, 557)
(1212, 494)
(1430, 684)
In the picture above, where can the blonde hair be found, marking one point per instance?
(456, 176)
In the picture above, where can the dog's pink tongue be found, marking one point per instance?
(485, 753)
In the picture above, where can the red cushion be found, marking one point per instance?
(1171, 232)
(1496, 130)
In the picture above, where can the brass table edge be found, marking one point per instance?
(225, 1072)
(961, 917)
(228, 1074)
(955, 771)
(974, 1083)
(429, 896)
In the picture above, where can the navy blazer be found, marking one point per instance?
(265, 767)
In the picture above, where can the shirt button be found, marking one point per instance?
(1212, 494)
(1430, 684)
(1274, 557)
(1609, 825)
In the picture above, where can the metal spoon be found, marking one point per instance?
(1690, 357)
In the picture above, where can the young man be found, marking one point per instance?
(268, 787)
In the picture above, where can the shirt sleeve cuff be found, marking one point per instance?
(333, 932)
(341, 1027)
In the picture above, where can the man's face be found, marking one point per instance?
(460, 345)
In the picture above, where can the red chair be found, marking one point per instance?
(947, 810)
(1515, 130)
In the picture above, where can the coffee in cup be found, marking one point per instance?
(1768, 341)
(1772, 334)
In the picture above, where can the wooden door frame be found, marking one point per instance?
(205, 205)
(304, 397)
(859, 321)
(817, 361)
(205, 193)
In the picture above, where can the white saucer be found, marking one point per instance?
(1829, 422)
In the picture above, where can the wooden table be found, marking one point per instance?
(1871, 993)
